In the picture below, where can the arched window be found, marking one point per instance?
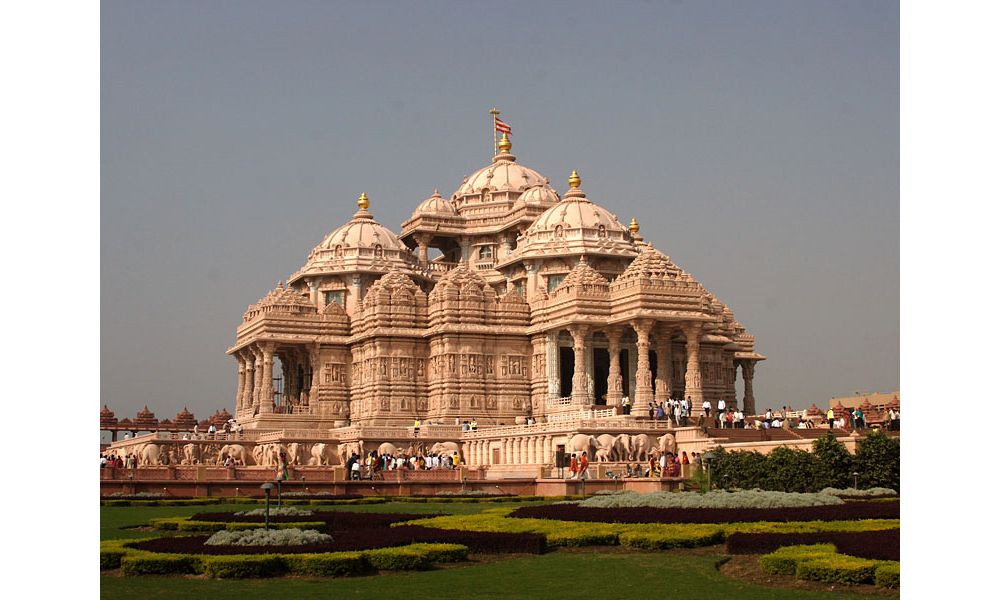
(485, 252)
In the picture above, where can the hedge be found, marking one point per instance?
(887, 575)
(692, 538)
(820, 562)
(784, 561)
(330, 564)
(586, 533)
(838, 568)
(333, 564)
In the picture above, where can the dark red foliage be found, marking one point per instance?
(844, 512)
(879, 545)
(356, 531)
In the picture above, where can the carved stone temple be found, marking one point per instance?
(506, 305)
(504, 301)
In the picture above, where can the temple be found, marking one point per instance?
(502, 302)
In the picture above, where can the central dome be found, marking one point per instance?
(504, 175)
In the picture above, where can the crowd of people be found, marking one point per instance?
(373, 464)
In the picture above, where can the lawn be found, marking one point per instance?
(563, 574)
(611, 572)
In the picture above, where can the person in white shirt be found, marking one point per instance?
(738, 419)
(707, 406)
(722, 406)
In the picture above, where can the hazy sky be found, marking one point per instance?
(756, 142)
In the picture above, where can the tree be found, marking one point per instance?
(877, 461)
(833, 465)
(741, 469)
(790, 470)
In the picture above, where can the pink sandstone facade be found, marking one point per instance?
(533, 305)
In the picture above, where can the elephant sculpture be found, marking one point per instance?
(344, 451)
(579, 443)
(294, 451)
(445, 448)
(322, 455)
(667, 443)
(237, 452)
(191, 454)
(150, 455)
(642, 445)
(611, 449)
(625, 447)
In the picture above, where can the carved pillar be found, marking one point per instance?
(692, 377)
(267, 383)
(525, 451)
(643, 376)
(615, 370)
(747, 367)
(547, 454)
(466, 245)
(258, 377)
(423, 240)
(314, 364)
(508, 451)
(531, 285)
(581, 395)
(241, 380)
(314, 293)
(664, 364)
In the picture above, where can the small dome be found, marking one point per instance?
(541, 194)
(435, 205)
(363, 231)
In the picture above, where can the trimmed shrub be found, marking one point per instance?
(887, 575)
(268, 537)
(784, 561)
(875, 492)
(837, 568)
(692, 538)
(442, 553)
(242, 566)
(397, 559)
(334, 564)
(878, 544)
(148, 563)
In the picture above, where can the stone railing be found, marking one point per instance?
(295, 434)
(441, 267)
(560, 401)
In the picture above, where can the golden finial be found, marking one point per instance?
(634, 226)
(504, 144)
(363, 201)
(574, 180)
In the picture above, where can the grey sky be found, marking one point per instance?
(756, 142)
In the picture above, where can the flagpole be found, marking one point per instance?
(495, 112)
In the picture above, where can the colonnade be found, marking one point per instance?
(513, 450)
(649, 334)
(657, 336)
(255, 386)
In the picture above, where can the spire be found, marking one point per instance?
(363, 201)
(574, 180)
(574, 187)
(504, 144)
(633, 226)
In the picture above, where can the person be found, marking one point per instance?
(584, 466)
(663, 464)
(626, 405)
(739, 418)
(104, 461)
(282, 467)
(685, 411)
(721, 406)
(660, 414)
(652, 411)
(474, 424)
(416, 426)
(228, 462)
(678, 413)
(195, 432)
(651, 467)
(830, 417)
(211, 429)
(465, 426)
(574, 465)
(356, 470)
(707, 407)
(684, 458)
(456, 460)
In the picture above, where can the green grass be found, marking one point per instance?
(597, 573)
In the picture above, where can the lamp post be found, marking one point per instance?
(708, 457)
(855, 479)
(267, 487)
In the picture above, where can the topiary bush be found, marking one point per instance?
(784, 561)
(148, 563)
(333, 564)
